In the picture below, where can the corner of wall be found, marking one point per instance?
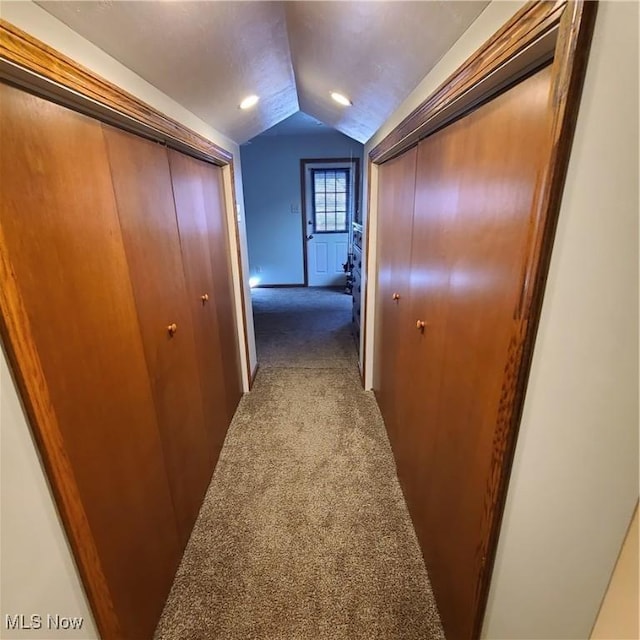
(38, 574)
(619, 615)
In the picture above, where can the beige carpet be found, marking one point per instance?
(304, 533)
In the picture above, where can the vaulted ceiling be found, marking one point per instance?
(209, 55)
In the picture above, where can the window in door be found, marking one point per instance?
(331, 200)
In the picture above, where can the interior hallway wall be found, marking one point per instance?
(619, 616)
(574, 483)
(273, 199)
(38, 570)
(38, 574)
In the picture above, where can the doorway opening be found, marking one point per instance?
(302, 187)
(330, 202)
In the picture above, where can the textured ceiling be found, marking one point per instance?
(209, 55)
(298, 124)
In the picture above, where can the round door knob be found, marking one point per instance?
(172, 328)
(420, 324)
(310, 237)
(395, 296)
(204, 298)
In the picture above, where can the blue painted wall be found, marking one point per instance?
(273, 201)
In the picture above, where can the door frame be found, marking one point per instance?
(540, 33)
(35, 67)
(304, 164)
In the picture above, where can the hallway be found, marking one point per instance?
(163, 158)
(304, 532)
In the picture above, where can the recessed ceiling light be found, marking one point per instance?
(249, 101)
(340, 99)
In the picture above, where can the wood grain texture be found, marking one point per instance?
(62, 237)
(68, 80)
(189, 198)
(27, 368)
(432, 252)
(218, 235)
(485, 252)
(22, 49)
(568, 72)
(396, 189)
(142, 186)
(533, 20)
(441, 390)
(574, 23)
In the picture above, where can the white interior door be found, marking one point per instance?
(329, 201)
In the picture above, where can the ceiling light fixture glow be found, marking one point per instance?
(340, 99)
(249, 101)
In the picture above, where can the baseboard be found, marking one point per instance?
(278, 286)
(254, 373)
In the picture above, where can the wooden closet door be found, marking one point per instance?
(422, 348)
(220, 258)
(492, 160)
(396, 188)
(142, 185)
(63, 240)
(188, 193)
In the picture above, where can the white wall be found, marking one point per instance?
(29, 17)
(619, 615)
(575, 476)
(37, 572)
(271, 171)
(574, 483)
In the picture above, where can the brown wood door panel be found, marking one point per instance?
(188, 192)
(144, 196)
(421, 350)
(63, 239)
(396, 188)
(221, 266)
(491, 161)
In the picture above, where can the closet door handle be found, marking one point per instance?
(420, 325)
(172, 328)
(204, 297)
(395, 296)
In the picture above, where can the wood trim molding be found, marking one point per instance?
(559, 31)
(569, 68)
(30, 63)
(303, 222)
(15, 329)
(518, 45)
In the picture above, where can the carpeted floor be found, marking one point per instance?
(304, 533)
